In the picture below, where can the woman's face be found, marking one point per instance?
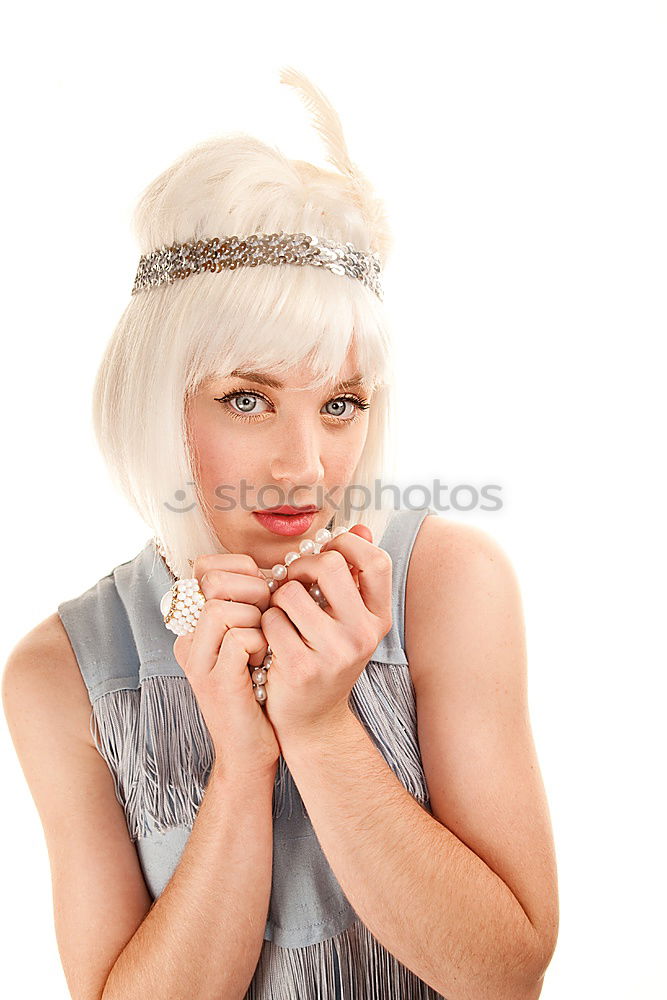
(266, 446)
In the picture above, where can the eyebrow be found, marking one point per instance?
(262, 379)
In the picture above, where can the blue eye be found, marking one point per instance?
(356, 403)
(244, 399)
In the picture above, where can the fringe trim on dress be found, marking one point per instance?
(159, 750)
(367, 970)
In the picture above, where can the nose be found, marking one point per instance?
(297, 461)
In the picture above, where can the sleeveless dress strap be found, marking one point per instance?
(398, 540)
(101, 636)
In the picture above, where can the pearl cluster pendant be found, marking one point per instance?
(182, 605)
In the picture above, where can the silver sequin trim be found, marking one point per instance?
(183, 259)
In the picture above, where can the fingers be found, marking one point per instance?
(285, 638)
(200, 649)
(223, 570)
(374, 568)
(237, 562)
(314, 624)
(229, 585)
(362, 531)
(239, 645)
(330, 571)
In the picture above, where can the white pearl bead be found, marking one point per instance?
(338, 531)
(322, 536)
(290, 557)
(318, 548)
(260, 693)
(279, 571)
(306, 545)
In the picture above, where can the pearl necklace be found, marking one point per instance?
(182, 604)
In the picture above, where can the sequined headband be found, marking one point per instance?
(183, 259)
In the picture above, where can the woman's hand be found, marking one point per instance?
(218, 657)
(320, 652)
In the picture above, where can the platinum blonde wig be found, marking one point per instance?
(173, 337)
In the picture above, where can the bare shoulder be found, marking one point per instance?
(451, 565)
(42, 674)
(455, 545)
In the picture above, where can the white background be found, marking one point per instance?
(520, 150)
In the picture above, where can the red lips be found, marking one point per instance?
(286, 509)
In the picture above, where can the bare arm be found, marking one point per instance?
(203, 935)
(466, 898)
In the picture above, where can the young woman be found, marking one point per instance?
(326, 784)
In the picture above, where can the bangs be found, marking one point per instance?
(275, 318)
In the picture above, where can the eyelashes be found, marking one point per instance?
(359, 404)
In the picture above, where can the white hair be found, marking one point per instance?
(172, 337)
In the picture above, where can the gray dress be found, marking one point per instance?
(146, 723)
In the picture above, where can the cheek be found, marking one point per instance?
(342, 458)
(219, 461)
